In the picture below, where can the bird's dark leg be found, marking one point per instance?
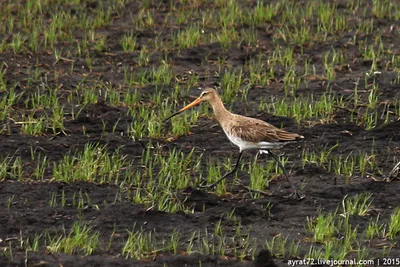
(287, 177)
(279, 164)
(226, 174)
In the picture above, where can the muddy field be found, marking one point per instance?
(31, 209)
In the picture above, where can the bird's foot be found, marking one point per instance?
(204, 185)
(208, 186)
(295, 195)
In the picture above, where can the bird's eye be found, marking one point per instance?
(204, 93)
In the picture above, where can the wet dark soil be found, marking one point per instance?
(24, 204)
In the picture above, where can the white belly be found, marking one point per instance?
(246, 145)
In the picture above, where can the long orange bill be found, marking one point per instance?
(194, 103)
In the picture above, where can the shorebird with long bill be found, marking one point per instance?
(245, 132)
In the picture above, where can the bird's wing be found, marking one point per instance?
(255, 130)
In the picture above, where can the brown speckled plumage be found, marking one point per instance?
(246, 128)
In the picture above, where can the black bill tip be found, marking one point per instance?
(173, 115)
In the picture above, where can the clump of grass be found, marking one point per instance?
(156, 184)
(230, 14)
(181, 126)
(326, 227)
(128, 42)
(319, 158)
(160, 76)
(264, 13)
(79, 200)
(143, 244)
(394, 224)
(190, 37)
(226, 36)
(260, 174)
(57, 120)
(148, 122)
(3, 72)
(383, 9)
(260, 72)
(158, 199)
(231, 85)
(139, 245)
(214, 173)
(17, 43)
(31, 243)
(357, 205)
(43, 99)
(5, 164)
(176, 167)
(374, 229)
(17, 169)
(143, 20)
(350, 165)
(81, 238)
(305, 108)
(215, 241)
(323, 228)
(92, 164)
(10, 98)
(280, 247)
(33, 126)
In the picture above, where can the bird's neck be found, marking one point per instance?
(219, 109)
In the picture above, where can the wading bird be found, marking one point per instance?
(245, 132)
